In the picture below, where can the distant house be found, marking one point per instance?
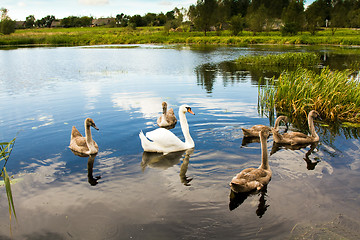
(19, 24)
(102, 21)
(55, 23)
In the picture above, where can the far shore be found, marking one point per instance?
(157, 35)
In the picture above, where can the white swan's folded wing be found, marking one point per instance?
(165, 138)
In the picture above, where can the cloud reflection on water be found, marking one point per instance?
(144, 102)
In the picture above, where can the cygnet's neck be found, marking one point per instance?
(277, 122)
(89, 140)
(312, 128)
(264, 155)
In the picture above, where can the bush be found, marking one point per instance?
(7, 26)
(289, 29)
(237, 24)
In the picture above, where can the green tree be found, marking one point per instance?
(232, 8)
(7, 26)
(73, 21)
(237, 23)
(48, 20)
(293, 17)
(354, 18)
(137, 21)
(317, 13)
(150, 19)
(204, 14)
(273, 8)
(30, 21)
(122, 20)
(256, 20)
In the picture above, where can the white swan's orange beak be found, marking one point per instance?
(190, 111)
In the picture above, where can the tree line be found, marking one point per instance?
(289, 16)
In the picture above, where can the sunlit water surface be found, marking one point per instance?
(123, 193)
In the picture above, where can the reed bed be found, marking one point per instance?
(291, 59)
(334, 94)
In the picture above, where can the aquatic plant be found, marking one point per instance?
(334, 94)
(6, 148)
(291, 59)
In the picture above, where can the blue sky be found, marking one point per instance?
(20, 9)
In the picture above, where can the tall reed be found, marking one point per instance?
(334, 94)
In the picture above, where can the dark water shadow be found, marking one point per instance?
(236, 199)
(161, 161)
(90, 165)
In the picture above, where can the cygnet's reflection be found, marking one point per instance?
(236, 199)
(161, 161)
(310, 165)
(248, 140)
(90, 165)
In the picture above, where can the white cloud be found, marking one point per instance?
(94, 2)
(166, 3)
(21, 4)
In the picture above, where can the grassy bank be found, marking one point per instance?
(102, 35)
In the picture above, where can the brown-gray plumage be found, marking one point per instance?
(296, 138)
(167, 118)
(255, 130)
(251, 179)
(85, 145)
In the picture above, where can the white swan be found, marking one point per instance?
(251, 179)
(85, 145)
(296, 138)
(163, 141)
(167, 118)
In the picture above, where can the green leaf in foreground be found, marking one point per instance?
(9, 193)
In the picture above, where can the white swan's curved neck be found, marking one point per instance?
(185, 129)
(264, 155)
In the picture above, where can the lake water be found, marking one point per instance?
(123, 193)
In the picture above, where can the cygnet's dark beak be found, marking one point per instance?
(94, 126)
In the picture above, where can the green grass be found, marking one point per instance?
(104, 35)
(334, 94)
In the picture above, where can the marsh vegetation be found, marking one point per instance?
(143, 35)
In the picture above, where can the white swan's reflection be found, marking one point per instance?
(161, 161)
